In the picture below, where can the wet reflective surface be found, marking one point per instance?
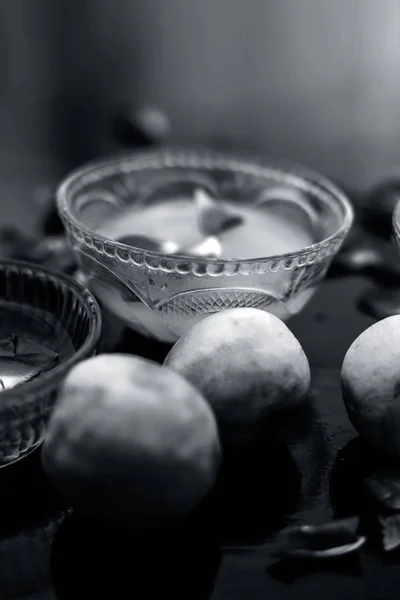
(307, 470)
(89, 560)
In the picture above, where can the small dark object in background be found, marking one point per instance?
(14, 244)
(378, 206)
(44, 196)
(366, 255)
(141, 128)
(51, 251)
(52, 224)
(369, 250)
(380, 302)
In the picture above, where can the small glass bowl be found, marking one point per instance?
(58, 313)
(162, 295)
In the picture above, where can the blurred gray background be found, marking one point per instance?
(315, 81)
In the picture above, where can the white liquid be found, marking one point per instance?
(264, 232)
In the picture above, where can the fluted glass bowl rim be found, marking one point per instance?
(97, 170)
(396, 221)
(51, 380)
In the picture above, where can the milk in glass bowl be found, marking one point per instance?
(167, 237)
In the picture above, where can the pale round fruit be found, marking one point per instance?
(370, 382)
(247, 364)
(132, 441)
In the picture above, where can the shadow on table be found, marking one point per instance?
(27, 495)
(260, 484)
(30, 512)
(133, 342)
(348, 494)
(256, 491)
(93, 560)
(354, 463)
(290, 570)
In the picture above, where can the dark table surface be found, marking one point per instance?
(312, 472)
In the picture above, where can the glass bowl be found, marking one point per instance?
(53, 322)
(162, 295)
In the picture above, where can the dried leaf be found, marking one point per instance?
(25, 359)
(289, 199)
(333, 539)
(384, 486)
(390, 532)
(8, 346)
(33, 353)
(214, 218)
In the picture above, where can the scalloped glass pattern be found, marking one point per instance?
(162, 296)
(59, 313)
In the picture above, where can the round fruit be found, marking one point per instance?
(370, 381)
(131, 440)
(247, 364)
